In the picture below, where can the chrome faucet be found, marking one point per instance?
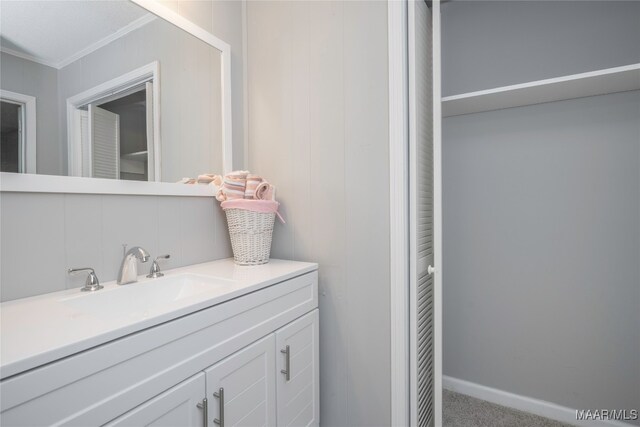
(92, 283)
(129, 268)
(155, 268)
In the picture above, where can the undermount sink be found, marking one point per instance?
(144, 298)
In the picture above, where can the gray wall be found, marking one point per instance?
(45, 234)
(497, 43)
(318, 129)
(542, 209)
(541, 250)
(30, 78)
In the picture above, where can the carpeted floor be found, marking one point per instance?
(460, 410)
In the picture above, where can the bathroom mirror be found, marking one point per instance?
(117, 90)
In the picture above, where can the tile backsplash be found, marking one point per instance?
(45, 234)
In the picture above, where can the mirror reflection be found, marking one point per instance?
(106, 90)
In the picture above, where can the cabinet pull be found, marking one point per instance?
(220, 396)
(205, 411)
(287, 370)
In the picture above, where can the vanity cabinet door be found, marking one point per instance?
(241, 389)
(179, 406)
(297, 367)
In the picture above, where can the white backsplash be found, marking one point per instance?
(45, 234)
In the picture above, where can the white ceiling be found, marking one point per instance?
(57, 33)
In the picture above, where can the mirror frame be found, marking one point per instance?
(21, 182)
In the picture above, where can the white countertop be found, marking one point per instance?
(41, 329)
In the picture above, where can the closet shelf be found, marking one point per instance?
(601, 82)
(139, 156)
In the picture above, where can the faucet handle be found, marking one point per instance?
(92, 283)
(155, 268)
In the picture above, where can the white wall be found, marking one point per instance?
(318, 129)
(30, 78)
(542, 207)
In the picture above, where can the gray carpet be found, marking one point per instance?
(460, 410)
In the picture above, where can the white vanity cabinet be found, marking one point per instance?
(273, 379)
(231, 354)
(298, 365)
(241, 390)
(179, 406)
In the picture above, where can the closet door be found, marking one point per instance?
(104, 131)
(421, 206)
(241, 389)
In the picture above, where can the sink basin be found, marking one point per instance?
(143, 299)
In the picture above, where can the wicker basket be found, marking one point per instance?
(250, 234)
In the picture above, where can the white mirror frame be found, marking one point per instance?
(19, 182)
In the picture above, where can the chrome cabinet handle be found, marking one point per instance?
(220, 396)
(205, 411)
(287, 370)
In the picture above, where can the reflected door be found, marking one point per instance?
(104, 133)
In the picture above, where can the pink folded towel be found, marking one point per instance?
(252, 183)
(234, 187)
(240, 185)
(238, 174)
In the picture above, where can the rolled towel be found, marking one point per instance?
(252, 183)
(261, 191)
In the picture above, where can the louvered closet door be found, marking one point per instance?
(421, 215)
(104, 129)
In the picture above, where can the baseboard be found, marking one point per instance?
(524, 403)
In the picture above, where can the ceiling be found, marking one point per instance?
(57, 33)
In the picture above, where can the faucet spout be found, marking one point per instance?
(129, 268)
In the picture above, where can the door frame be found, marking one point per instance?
(437, 211)
(398, 35)
(28, 157)
(149, 72)
(399, 210)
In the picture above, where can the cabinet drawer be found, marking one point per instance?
(97, 385)
(177, 406)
